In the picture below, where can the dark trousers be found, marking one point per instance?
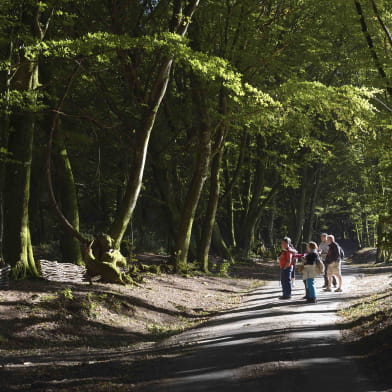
(285, 279)
(326, 276)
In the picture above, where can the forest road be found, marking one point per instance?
(264, 345)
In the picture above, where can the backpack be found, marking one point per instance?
(341, 252)
(320, 268)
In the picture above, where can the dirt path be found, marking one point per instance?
(265, 344)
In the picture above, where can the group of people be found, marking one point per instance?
(324, 258)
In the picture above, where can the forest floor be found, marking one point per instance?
(56, 337)
(41, 319)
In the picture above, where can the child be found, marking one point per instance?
(310, 272)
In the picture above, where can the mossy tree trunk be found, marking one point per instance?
(17, 246)
(181, 21)
(106, 263)
(219, 243)
(200, 174)
(300, 208)
(70, 246)
(231, 179)
(314, 198)
(215, 186)
(167, 184)
(17, 241)
(249, 225)
(5, 51)
(212, 208)
(252, 210)
(380, 255)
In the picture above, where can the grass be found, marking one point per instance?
(369, 334)
(160, 332)
(370, 314)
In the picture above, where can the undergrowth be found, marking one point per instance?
(368, 334)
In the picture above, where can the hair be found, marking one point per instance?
(331, 237)
(312, 245)
(323, 235)
(287, 240)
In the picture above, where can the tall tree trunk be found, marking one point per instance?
(128, 204)
(249, 228)
(212, 208)
(231, 211)
(300, 216)
(4, 124)
(196, 186)
(167, 186)
(271, 224)
(231, 180)
(367, 232)
(308, 232)
(228, 198)
(220, 245)
(380, 234)
(70, 246)
(246, 238)
(358, 234)
(17, 241)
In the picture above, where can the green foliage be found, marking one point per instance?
(66, 294)
(26, 101)
(289, 90)
(104, 46)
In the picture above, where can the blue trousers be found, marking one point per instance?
(285, 279)
(310, 288)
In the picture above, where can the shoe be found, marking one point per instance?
(339, 290)
(305, 297)
(327, 289)
(324, 287)
(311, 301)
(284, 297)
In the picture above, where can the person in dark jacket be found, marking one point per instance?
(323, 251)
(333, 263)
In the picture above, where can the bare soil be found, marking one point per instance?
(76, 337)
(38, 315)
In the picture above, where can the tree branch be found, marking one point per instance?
(65, 222)
(382, 24)
(371, 47)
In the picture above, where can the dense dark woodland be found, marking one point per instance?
(192, 127)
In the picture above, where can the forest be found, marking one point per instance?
(192, 128)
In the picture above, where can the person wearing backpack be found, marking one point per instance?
(323, 251)
(313, 266)
(334, 263)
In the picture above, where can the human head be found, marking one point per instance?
(323, 237)
(285, 243)
(312, 246)
(330, 238)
